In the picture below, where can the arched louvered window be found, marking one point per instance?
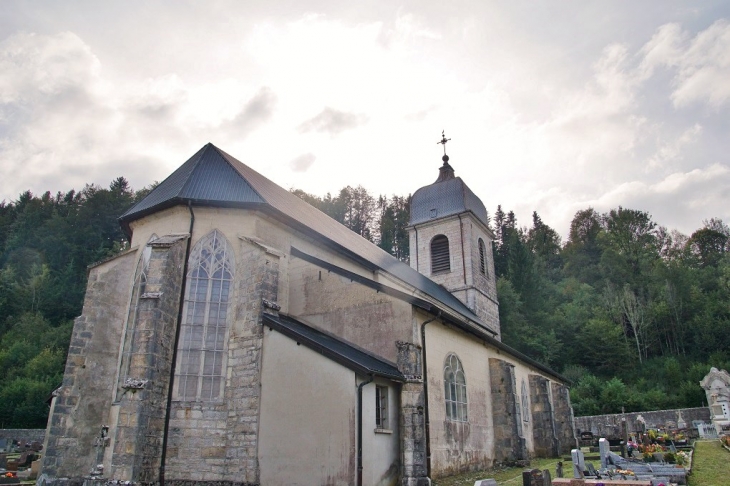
(455, 389)
(204, 324)
(440, 260)
(482, 257)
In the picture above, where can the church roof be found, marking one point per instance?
(448, 196)
(211, 177)
(332, 347)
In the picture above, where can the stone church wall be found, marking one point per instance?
(543, 419)
(81, 408)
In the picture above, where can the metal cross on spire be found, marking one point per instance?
(443, 140)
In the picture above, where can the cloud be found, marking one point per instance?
(701, 64)
(333, 122)
(302, 162)
(257, 111)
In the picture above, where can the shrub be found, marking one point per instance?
(669, 457)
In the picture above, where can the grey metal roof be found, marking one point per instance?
(206, 177)
(332, 347)
(251, 189)
(447, 196)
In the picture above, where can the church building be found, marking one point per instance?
(246, 338)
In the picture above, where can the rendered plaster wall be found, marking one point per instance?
(308, 416)
(358, 314)
(84, 399)
(381, 447)
(458, 446)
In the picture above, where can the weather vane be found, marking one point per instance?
(443, 140)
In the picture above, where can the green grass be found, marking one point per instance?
(710, 464)
(505, 476)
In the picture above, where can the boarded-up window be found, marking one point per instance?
(440, 260)
(455, 389)
(482, 257)
(204, 324)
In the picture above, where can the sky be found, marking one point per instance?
(551, 107)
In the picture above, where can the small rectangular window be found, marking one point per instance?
(381, 407)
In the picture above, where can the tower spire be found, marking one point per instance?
(446, 172)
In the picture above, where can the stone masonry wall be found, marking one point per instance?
(543, 424)
(609, 426)
(508, 445)
(412, 416)
(218, 441)
(75, 424)
(27, 435)
(563, 412)
(140, 423)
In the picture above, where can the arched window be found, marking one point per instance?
(455, 389)
(440, 261)
(204, 324)
(482, 257)
(525, 403)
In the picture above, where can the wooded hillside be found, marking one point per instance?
(633, 313)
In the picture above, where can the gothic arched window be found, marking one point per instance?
(482, 257)
(455, 389)
(440, 260)
(204, 324)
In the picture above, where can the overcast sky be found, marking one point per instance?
(551, 106)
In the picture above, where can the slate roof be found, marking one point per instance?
(211, 177)
(449, 195)
(335, 349)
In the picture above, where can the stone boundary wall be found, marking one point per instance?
(28, 435)
(609, 426)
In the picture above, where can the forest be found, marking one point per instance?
(632, 313)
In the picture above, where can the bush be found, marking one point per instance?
(669, 457)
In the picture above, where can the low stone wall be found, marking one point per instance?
(28, 435)
(591, 482)
(609, 426)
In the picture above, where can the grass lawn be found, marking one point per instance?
(710, 464)
(507, 476)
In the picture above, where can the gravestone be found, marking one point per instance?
(559, 469)
(535, 477)
(3, 461)
(485, 482)
(604, 448)
(3, 444)
(658, 457)
(579, 464)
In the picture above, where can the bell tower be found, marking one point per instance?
(451, 242)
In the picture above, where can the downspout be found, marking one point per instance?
(427, 420)
(359, 428)
(173, 364)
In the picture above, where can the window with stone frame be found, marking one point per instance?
(440, 258)
(204, 325)
(455, 389)
(482, 258)
(381, 407)
(525, 403)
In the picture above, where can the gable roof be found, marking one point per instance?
(332, 347)
(212, 177)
